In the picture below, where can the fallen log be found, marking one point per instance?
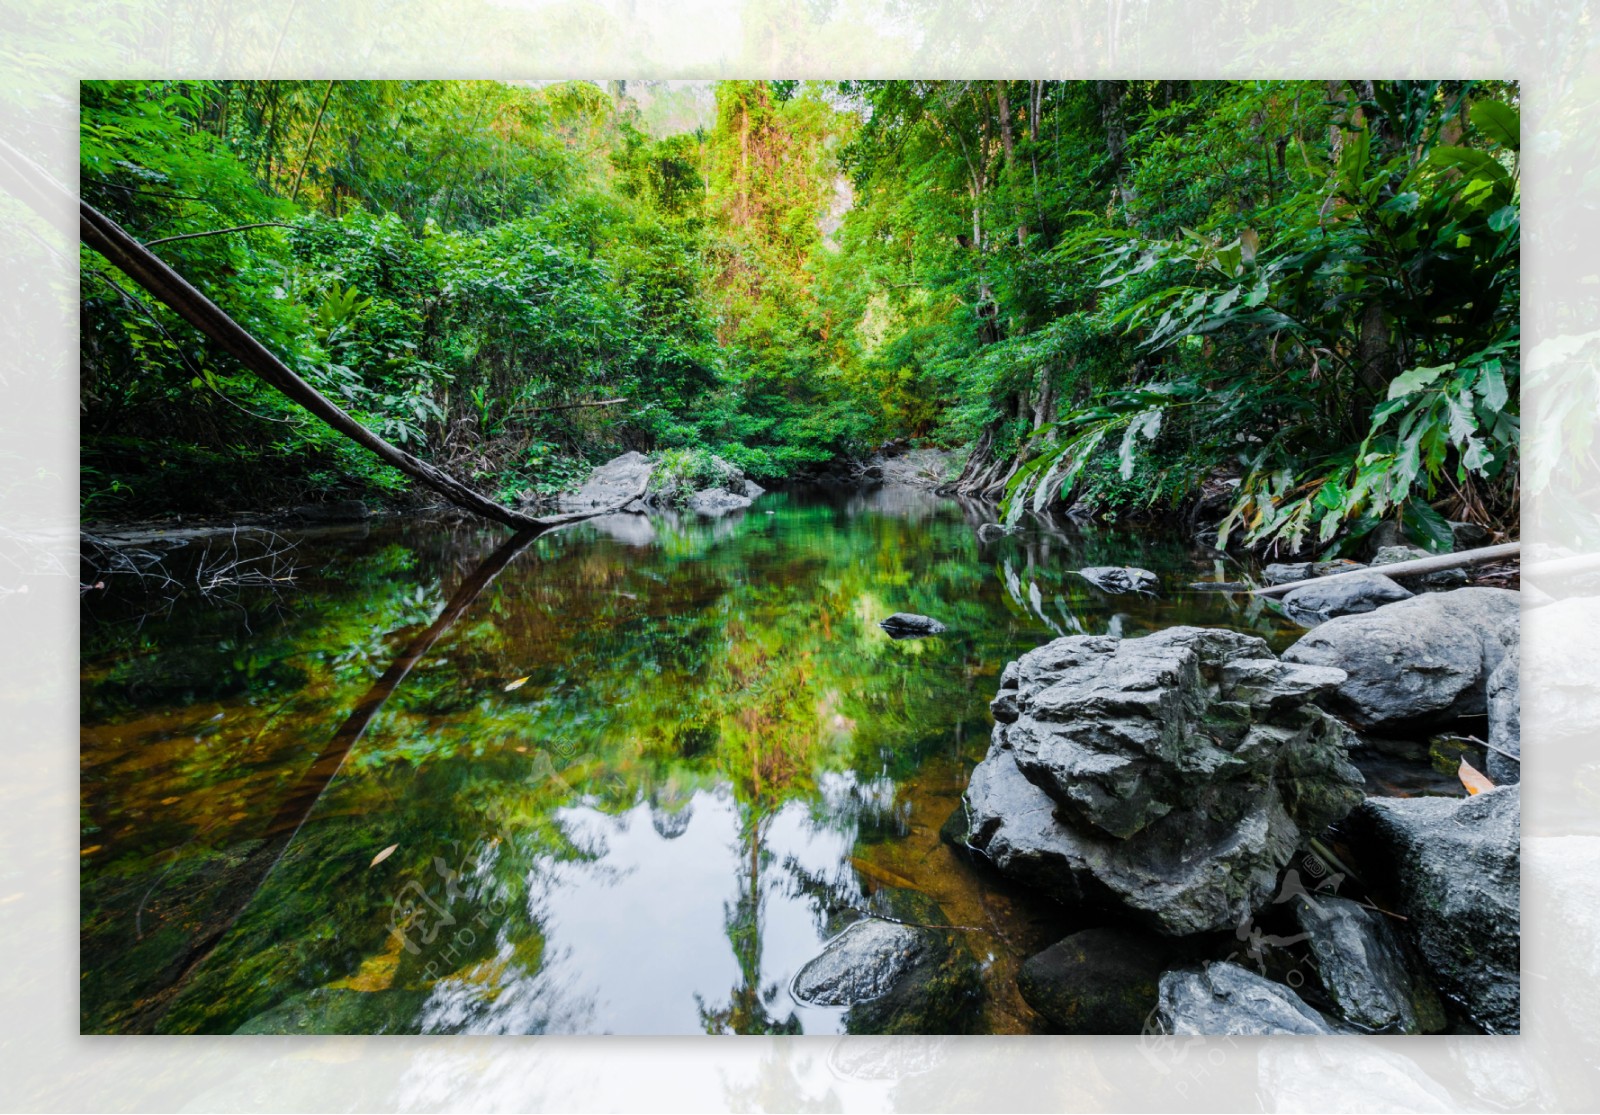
(1415, 567)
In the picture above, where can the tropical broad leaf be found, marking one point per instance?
(1499, 121)
(1409, 383)
(1428, 527)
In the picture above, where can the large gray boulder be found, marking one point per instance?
(1120, 578)
(1454, 867)
(619, 481)
(1505, 718)
(897, 970)
(1362, 965)
(1316, 601)
(1222, 999)
(1417, 662)
(1169, 776)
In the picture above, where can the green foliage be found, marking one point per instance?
(1118, 288)
(1360, 348)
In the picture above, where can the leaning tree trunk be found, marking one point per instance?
(145, 268)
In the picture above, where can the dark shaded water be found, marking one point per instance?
(715, 750)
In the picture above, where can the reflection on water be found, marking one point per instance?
(631, 784)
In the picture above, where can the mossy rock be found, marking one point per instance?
(1099, 981)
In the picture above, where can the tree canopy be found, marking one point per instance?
(1103, 293)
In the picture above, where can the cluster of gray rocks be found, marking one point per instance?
(628, 484)
(1173, 780)
(1175, 785)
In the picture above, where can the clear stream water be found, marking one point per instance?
(622, 780)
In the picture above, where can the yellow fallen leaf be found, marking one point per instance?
(170, 801)
(518, 684)
(90, 850)
(1475, 781)
(383, 855)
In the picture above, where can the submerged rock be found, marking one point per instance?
(1120, 578)
(1455, 868)
(1099, 981)
(907, 625)
(1319, 600)
(899, 973)
(1363, 968)
(617, 482)
(1219, 586)
(1170, 776)
(1504, 761)
(1222, 999)
(1420, 661)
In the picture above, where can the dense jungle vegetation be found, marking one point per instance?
(1299, 300)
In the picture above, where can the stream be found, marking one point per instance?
(626, 781)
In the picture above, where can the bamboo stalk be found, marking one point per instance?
(1408, 568)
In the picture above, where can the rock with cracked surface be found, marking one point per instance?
(619, 481)
(1362, 965)
(1222, 999)
(1169, 776)
(1454, 865)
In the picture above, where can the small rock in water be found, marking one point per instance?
(907, 625)
(1219, 586)
(898, 970)
(1099, 981)
(860, 964)
(1362, 966)
(1222, 999)
(1316, 601)
(1456, 873)
(1120, 578)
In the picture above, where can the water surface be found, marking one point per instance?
(633, 774)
